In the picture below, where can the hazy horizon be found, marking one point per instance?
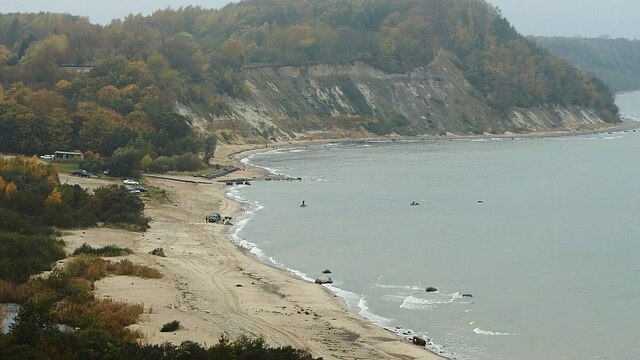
(586, 18)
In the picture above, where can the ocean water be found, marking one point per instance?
(543, 233)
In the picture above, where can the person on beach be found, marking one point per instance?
(303, 204)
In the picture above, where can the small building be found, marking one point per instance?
(67, 156)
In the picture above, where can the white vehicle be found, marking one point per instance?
(46, 157)
(131, 182)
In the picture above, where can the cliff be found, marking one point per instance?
(357, 100)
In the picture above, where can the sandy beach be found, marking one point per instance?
(215, 288)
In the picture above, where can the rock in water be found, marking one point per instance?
(467, 295)
(327, 271)
(324, 280)
(431, 289)
(419, 341)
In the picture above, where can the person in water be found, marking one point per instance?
(303, 204)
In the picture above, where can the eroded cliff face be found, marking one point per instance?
(326, 101)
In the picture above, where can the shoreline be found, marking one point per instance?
(244, 152)
(215, 287)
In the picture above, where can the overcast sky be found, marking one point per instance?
(590, 18)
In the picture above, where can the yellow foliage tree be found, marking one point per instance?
(10, 190)
(146, 162)
(54, 198)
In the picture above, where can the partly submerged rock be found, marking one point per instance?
(324, 279)
(467, 295)
(431, 289)
(419, 341)
(327, 271)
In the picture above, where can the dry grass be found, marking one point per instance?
(111, 315)
(93, 268)
(126, 267)
(12, 293)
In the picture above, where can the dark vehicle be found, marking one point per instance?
(213, 218)
(80, 172)
(140, 188)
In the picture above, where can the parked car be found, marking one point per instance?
(46, 157)
(131, 182)
(80, 172)
(213, 218)
(140, 188)
(134, 192)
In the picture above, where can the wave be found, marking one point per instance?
(490, 333)
(403, 287)
(415, 303)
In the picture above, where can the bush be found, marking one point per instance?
(157, 252)
(184, 162)
(22, 256)
(106, 251)
(170, 326)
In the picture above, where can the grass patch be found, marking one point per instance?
(93, 268)
(170, 326)
(14, 293)
(106, 251)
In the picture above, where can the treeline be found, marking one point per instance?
(147, 63)
(615, 61)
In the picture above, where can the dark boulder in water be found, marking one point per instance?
(419, 341)
(324, 280)
(467, 295)
(327, 271)
(431, 289)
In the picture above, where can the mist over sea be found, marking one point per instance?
(543, 233)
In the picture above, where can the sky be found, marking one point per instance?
(588, 18)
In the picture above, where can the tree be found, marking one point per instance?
(126, 162)
(209, 148)
(42, 58)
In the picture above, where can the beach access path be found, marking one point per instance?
(215, 288)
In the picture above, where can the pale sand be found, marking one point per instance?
(203, 272)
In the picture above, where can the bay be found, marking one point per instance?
(541, 232)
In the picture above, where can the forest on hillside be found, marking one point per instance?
(615, 61)
(145, 64)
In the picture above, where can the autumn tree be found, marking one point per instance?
(42, 58)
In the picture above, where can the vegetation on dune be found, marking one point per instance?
(31, 201)
(105, 251)
(170, 326)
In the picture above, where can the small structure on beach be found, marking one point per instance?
(68, 156)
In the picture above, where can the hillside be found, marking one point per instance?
(614, 61)
(280, 69)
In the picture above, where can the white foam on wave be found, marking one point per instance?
(376, 319)
(251, 208)
(403, 287)
(415, 303)
(490, 333)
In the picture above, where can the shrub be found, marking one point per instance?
(157, 252)
(126, 267)
(106, 251)
(170, 326)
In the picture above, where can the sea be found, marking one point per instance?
(533, 244)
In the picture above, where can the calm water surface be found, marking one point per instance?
(544, 233)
